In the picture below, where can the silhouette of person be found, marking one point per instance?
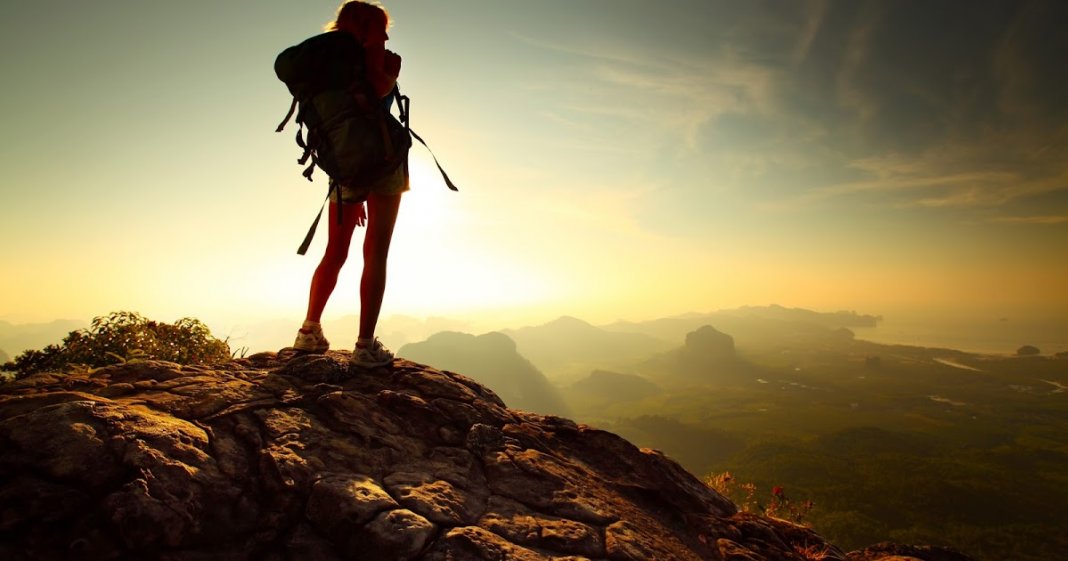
(368, 23)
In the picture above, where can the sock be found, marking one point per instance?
(310, 326)
(365, 342)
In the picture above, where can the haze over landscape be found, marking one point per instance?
(806, 242)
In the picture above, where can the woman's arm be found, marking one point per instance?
(383, 67)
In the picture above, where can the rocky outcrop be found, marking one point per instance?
(298, 457)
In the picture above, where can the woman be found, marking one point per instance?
(368, 23)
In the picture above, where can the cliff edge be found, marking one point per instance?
(281, 456)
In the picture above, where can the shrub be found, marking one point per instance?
(122, 337)
(744, 495)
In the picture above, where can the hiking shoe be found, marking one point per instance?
(374, 355)
(311, 340)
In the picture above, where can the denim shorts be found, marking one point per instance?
(392, 184)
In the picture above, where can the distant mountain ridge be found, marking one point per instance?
(492, 360)
(753, 324)
(571, 344)
(16, 338)
(603, 385)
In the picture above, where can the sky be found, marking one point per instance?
(616, 159)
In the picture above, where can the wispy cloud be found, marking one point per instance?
(809, 32)
(1049, 219)
(672, 93)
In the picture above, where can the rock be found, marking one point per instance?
(396, 534)
(298, 457)
(341, 503)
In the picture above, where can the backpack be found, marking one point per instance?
(351, 135)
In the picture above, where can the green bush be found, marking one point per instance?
(122, 337)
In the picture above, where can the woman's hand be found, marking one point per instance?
(361, 215)
(391, 64)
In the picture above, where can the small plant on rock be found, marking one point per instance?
(744, 495)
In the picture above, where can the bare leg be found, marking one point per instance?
(337, 250)
(381, 217)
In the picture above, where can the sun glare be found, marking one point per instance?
(427, 206)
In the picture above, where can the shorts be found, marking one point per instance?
(392, 184)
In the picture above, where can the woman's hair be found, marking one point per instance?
(359, 16)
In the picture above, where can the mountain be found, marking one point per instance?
(4, 358)
(708, 357)
(754, 325)
(614, 387)
(16, 338)
(568, 346)
(492, 360)
(833, 320)
(299, 457)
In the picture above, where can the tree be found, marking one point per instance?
(121, 337)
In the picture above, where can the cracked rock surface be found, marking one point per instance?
(283, 456)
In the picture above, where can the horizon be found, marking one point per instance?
(971, 334)
(895, 158)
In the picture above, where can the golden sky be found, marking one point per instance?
(616, 159)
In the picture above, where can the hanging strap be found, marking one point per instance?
(292, 108)
(404, 104)
(445, 176)
(315, 224)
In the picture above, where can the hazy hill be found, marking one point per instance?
(707, 357)
(16, 338)
(4, 358)
(751, 325)
(833, 320)
(491, 359)
(602, 385)
(568, 346)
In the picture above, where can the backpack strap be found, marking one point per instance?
(315, 224)
(309, 148)
(404, 108)
(289, 115)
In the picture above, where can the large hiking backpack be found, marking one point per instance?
(351, 134)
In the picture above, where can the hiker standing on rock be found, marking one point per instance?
(368, 24)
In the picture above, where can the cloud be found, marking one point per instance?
(1050, 219)
(672, 94)
(950, 177)
(905, 104)
(811, 29)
